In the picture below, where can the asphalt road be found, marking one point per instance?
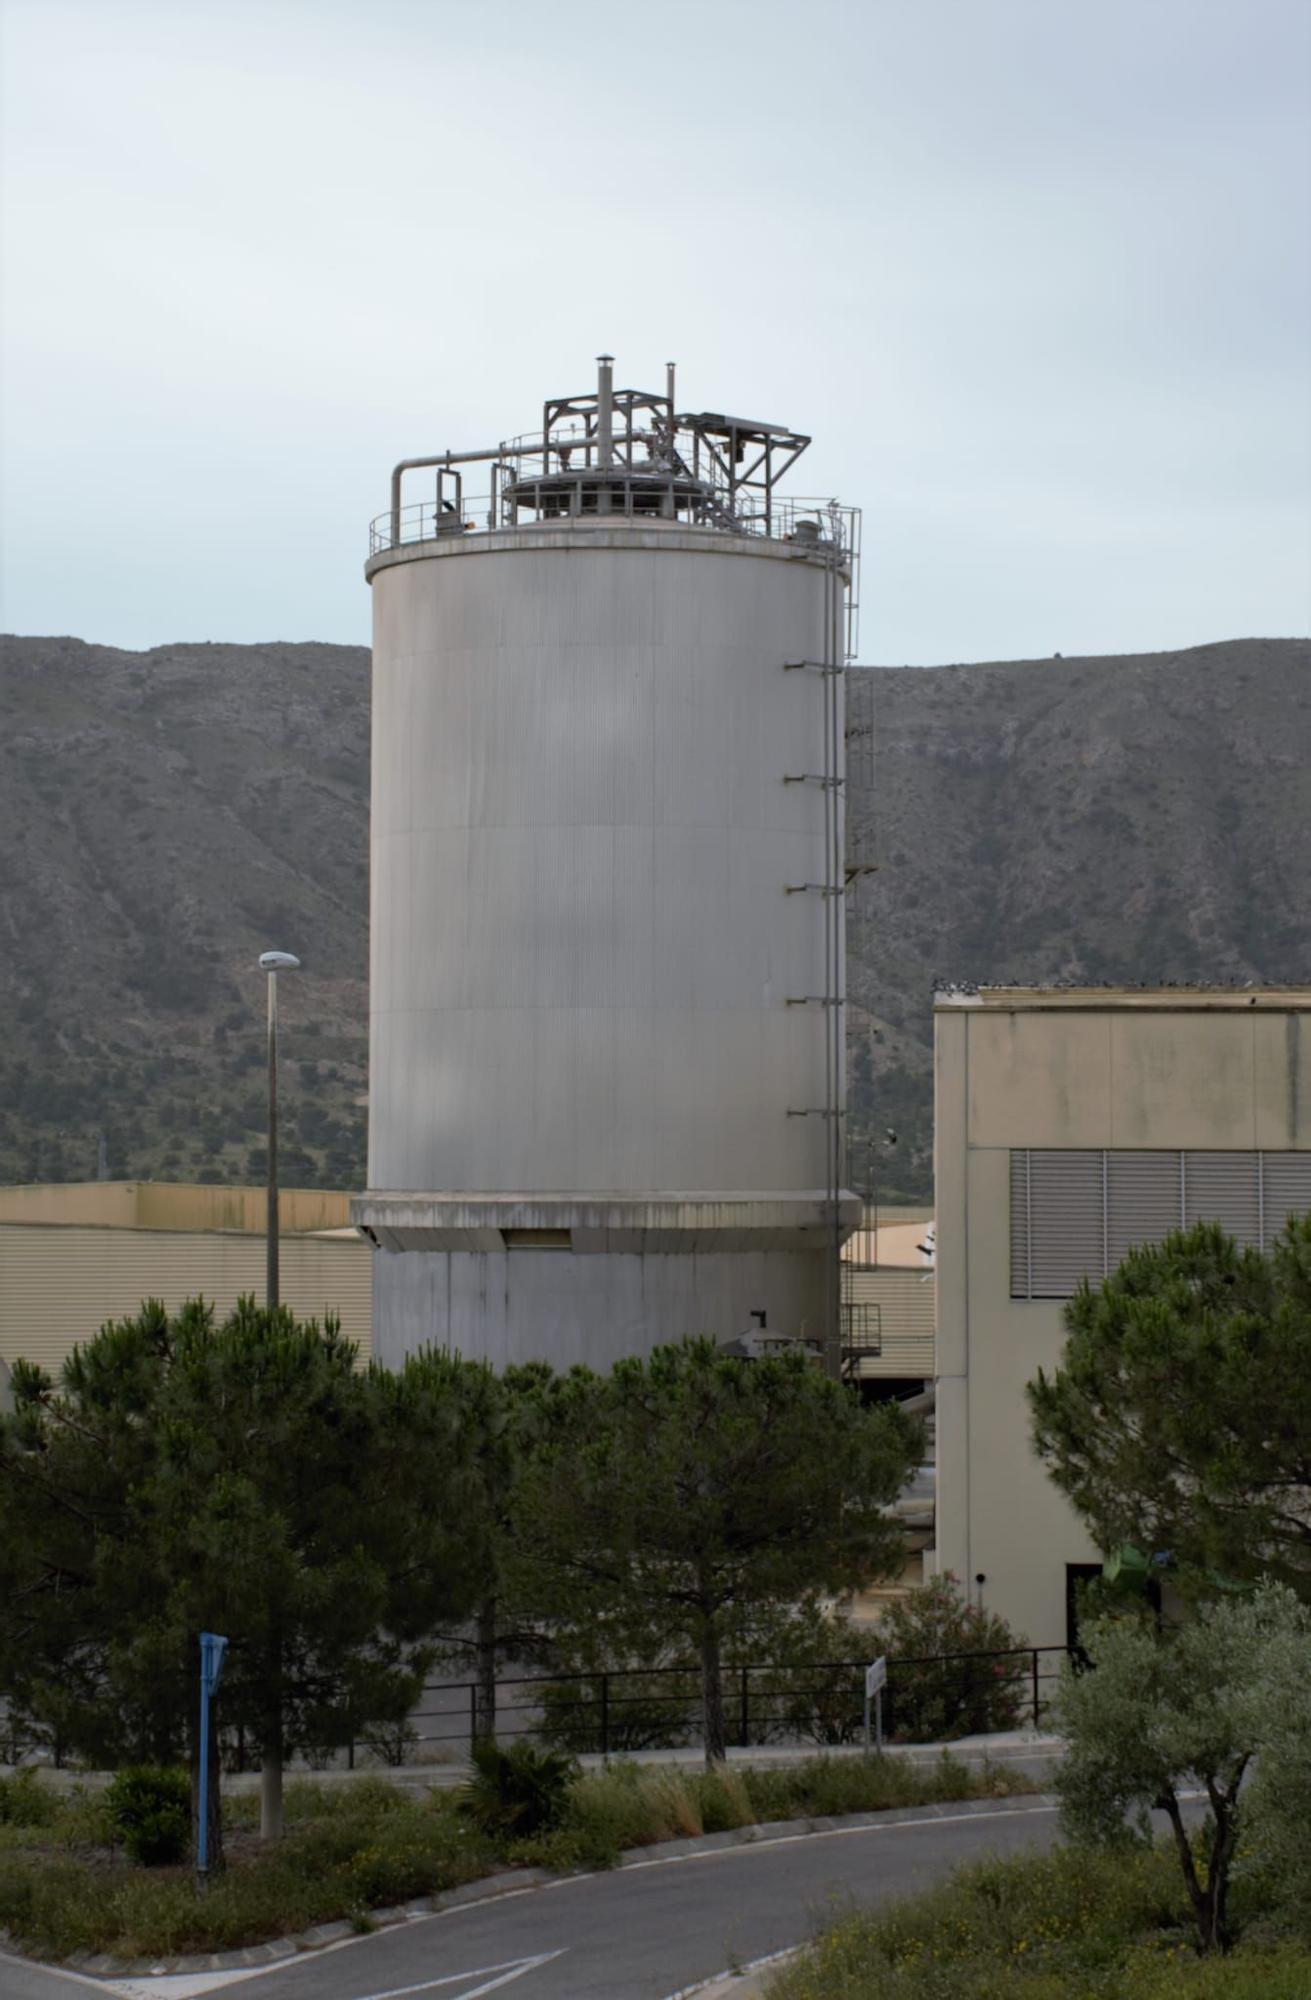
(641, 1932)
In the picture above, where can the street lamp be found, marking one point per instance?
(273, 962)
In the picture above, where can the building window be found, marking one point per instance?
(1076, 1215)
(862, 1329)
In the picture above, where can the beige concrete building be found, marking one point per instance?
(1071, 1125)
(75, 1255)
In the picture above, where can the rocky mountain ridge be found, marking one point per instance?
(167, 815)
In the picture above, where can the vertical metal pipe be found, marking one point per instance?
(605, 413)
(271, 1228)
(837, 791)
(669, 390)
(832, 977)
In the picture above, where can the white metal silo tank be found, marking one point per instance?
(602, 1080)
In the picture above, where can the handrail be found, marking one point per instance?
(834, 530)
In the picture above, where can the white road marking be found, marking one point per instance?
(509, 1969)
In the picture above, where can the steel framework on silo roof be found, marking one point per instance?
(625, 451)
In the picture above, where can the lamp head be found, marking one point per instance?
(278, 961)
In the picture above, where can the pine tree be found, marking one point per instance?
(1179, 1419)
(684, 1490)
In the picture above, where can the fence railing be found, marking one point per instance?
(927, 1699)
(614, 1711)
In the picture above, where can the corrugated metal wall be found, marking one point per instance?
(58, 1285)
(905, 1300)
(171, 1205)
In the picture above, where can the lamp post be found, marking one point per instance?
(273, 962)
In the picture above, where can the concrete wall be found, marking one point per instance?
(527, 1305)
(1017, 1069)
(58, 1285)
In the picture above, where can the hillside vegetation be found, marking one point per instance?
(167, 815)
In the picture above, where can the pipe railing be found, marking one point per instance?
(832, 528)
(929, 1699)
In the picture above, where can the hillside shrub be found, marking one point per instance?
(25, 1801)
(149, 1808)
(517, 1793)
(1062, 1926)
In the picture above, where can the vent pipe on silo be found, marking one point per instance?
(605, 409)
(669, 385)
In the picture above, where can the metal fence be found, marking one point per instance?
(929, 1699)
(640, 1709)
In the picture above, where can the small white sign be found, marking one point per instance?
(876, 1677)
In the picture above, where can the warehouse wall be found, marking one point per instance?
(59, 1285)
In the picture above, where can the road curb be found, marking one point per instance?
(743, 1985)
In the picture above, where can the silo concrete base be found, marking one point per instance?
(564, 1308)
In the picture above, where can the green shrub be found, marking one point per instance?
(956, 1691)
(724, 1800)
(1061, 1926)
(150, 1809)
(353, 1854)
(25, 1801)
(518, 1793)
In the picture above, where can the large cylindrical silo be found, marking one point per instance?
(606, 893)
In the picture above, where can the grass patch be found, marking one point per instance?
(631, 1804)
(352, 1848)
(1069, 1925)
(347, 1850)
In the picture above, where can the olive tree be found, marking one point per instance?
(1159, 1711)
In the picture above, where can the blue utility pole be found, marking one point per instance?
(212, 1649)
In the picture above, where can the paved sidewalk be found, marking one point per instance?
(1012, 1746)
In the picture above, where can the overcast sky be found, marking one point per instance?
(1033, 273)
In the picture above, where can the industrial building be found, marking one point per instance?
(608, 878)
(1070, 1125)
(74, 1255)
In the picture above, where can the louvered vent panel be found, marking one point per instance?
(1287, 1189)
(1020, 1225)
(1223, 1188)
(1065, 1209)
(1145, 1201)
